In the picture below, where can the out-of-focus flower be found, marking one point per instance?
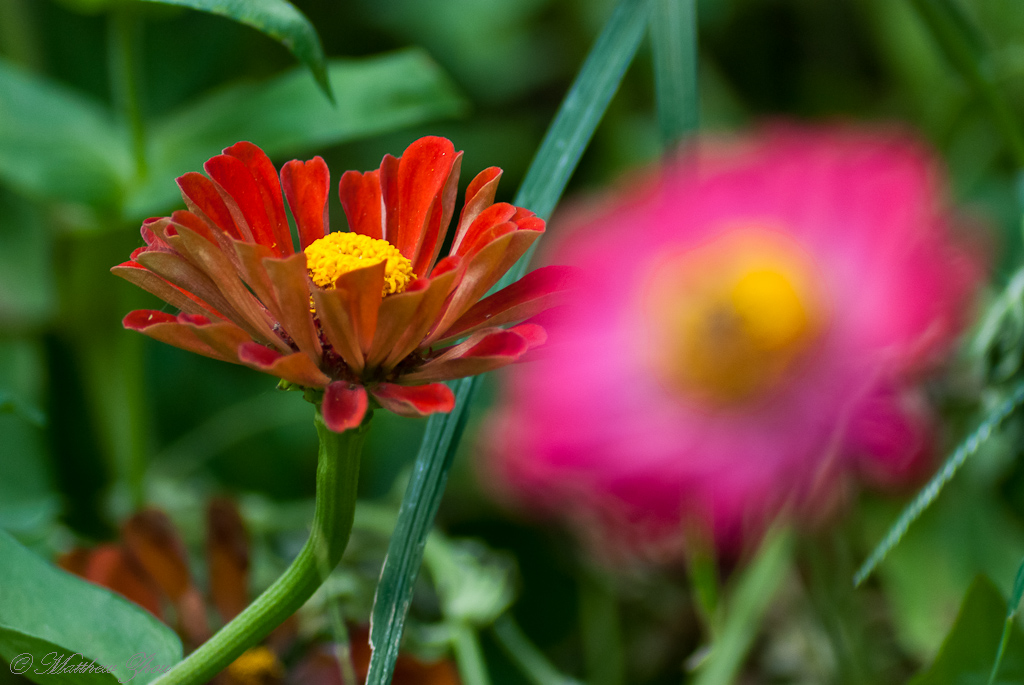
(150, 566)
(744, 343)
(320, 666)
(368, 310)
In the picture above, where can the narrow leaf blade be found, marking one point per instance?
(1012, 607)
(556, 159)
(674, 44)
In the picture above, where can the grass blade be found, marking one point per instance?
(583, 107)
(556, 159)
(963, 46)
(746, 608)
(674, 43)
(931, 491)
(1012, 608)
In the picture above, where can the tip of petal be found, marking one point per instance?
(141, 319)
(415, 400)
(254, 353)
(344, 406)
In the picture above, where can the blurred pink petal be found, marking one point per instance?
(741, 343)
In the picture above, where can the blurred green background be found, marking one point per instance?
(96, 421)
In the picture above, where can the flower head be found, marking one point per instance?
(366, 313)
(753, 351)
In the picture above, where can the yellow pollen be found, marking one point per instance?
(338, 253)
(732, 319)
(257, 666)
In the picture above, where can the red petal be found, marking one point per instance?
(362, 290)
(532, 333)
(291, 289)
(389, 199)
(485, 221)
(344, 406)
(423, 321)
(166, 291)
(265, 175)
(151, 539)
(240, 186)
(297, 367)
(202, 197)
(360, 196)
(414, 400)
(437, 224)
(193, 222)
(423, 172)
(227, 553)
(222, 271)
(139, 319)
(481, 271)
(479, 196)
(306, 185)
(485, 350)
(533, 293)
(110, 566)
(182, 333)
(395, 316)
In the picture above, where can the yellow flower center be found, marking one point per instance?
(257, 666)
(338, 253)
(731, 319)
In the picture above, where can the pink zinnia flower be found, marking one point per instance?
(743, 344)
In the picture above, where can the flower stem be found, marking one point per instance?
(337, 475)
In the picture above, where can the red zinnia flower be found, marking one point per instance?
(371, 310)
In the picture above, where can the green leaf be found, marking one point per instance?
(674, 44)
(966, 533)
(967, 653)
(56, 144)
(746, 608)
(278, 19)
(47, 613)
(545, 181)
(934, 486)
(286, 114)
(474, 585)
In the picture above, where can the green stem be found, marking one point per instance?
(601, 630)
(123, 49)
(337, 475)
(530, 660)
(469, 656)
